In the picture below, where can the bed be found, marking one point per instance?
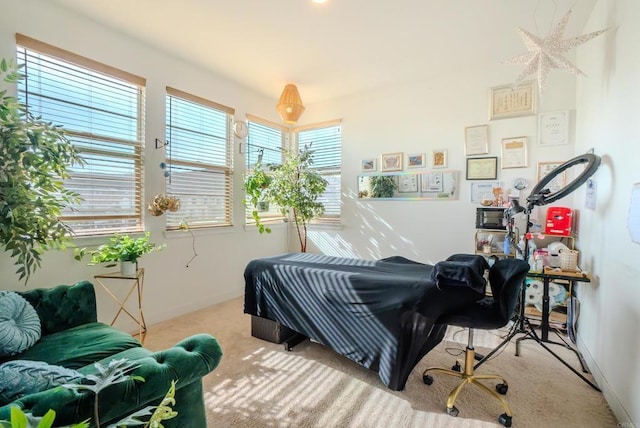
(382, 314)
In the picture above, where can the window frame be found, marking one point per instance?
(273, 215)
(324, 171)
(227, 169)
(106, 145)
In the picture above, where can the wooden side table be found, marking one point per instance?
(137, 284)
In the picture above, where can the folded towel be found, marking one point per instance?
(461, 270)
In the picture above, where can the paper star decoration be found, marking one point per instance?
(548, 53)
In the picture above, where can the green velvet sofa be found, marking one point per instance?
(72, 338)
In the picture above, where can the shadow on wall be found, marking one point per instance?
(380, 238)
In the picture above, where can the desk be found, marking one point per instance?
(548, 275)
(137, 284)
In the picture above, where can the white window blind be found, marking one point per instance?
(199, 159)
(325, 142)
(101, 110)
(265, 143)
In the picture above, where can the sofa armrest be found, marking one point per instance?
(64, 306)
(186, 362)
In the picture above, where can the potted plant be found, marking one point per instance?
(120, 248)
(255, 185)
(35, 159)
(295, 188)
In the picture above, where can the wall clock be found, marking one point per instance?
(240, 129)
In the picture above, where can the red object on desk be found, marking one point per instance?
(559, 221)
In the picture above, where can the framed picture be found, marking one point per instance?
(391, 162)
(408, 183)
(560, 180)
(482, 168)
(507, 101)
(514, 152)
(439, 158)
(369, 165)
(432, 182)
(476, 140)
(483, 191)
(416, 160)
(553, 128)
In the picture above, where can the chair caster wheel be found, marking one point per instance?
(427, 379)
(505, 420)
(502, 388)
(457, 367)
(453, 411)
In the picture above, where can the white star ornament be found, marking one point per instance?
(548, 53)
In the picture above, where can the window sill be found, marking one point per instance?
(251, 227)
(205, 231)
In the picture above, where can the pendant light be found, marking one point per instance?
(290, 105)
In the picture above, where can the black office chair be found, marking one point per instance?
(506, 277)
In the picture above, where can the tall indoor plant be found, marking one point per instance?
(35, 159)
(295, 188)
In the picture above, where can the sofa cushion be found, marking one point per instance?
(19, 324)
(80, 346)
(23, 377)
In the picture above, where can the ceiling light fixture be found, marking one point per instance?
(290, 105)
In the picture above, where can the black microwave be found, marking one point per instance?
(490, 218)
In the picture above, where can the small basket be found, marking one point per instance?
(569, 260)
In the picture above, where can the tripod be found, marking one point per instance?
(520, 320)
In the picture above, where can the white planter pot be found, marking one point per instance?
(128, 269)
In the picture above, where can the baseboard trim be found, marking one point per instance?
(178, 310)
(624, 418)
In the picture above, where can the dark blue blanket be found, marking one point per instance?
(379, 313)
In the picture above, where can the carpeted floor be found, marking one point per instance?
(259, 384)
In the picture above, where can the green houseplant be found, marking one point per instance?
(295, 188)
(255, 186)
(35, 159)
(120, 248)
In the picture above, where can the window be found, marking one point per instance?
(265, 143)
(199, 159)
(325, 141)
(102, 110)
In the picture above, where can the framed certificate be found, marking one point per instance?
(507, 101)
(482, 168)
(514, 152)
(476, 140)
(559, 181)
(553, 128)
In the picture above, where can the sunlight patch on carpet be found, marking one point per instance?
(289, 390)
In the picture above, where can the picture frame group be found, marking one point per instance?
(393, 162)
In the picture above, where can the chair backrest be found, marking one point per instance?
(506, 278)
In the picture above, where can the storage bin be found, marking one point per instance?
(271, 331)
(569, 260)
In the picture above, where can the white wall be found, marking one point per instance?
(420, 117)
(608, 105)
(170, 287)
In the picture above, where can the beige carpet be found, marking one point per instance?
(258, 384)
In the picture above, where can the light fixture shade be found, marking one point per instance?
(290, 105)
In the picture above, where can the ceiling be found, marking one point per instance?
(337, 48)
